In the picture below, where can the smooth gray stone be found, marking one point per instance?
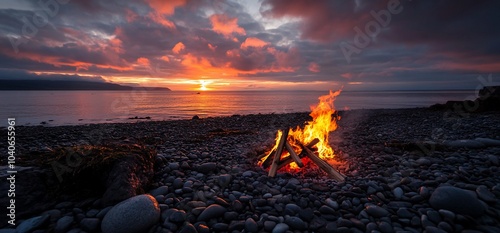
(280, 228)
(212, 211)
(458, 200)
(251, 225)
(485, 194)
(32, 224)
(134, 215)
(376, 211)
(162, 190)
(63, 224)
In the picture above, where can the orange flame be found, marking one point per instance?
(324, 121)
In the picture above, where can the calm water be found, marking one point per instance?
(84, 107)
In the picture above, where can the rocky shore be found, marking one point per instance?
(408, 170)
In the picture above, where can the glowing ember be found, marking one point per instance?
(324, 121)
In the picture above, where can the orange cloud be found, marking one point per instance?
(225, 25)
(346, 75)
(165, 58)
(165, 7)
(211, 47)
(160, 19)
(253, 42)
(162, 9)
(178, 48)
(314, 67)
(143, 61)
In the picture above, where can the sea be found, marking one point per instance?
(55, 108)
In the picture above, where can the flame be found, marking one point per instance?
(324, 120)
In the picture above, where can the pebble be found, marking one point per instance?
(224, 180)
(32, 224)
(90, 224)
(220, 226)
(457, 200)
(332, 203)
(136, 214)
(404, 213)
(188, 228)
(385, 227)
(63, 224)
(376, 211)
(212, 211)
(292, 209)
(251, 225)
(280, 228)
(296, 223)
(247, 174)
(485, 194)
(206, 167)
(162, 190)
(423, 162)
(398, 193)
(447, 215)
(326, 210)
(269, 225)
(177, 216)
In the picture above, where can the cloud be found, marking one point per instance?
(178, 48)
(9, 74)
(292, 41)
(253, 42)
(226, 25)
(143, 61)
(313, 67)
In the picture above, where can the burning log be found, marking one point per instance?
(277, 156)
(294, 155)
(302, 154)
(332, 173)
(269, 159)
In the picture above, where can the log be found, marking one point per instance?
(268, 160)
(285, 161)
(279, 151)
(293, 155)
(332, 173)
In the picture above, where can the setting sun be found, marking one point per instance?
(203, 85)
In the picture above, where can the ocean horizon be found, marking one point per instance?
(54, 108)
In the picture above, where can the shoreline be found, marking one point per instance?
(146, 119)
(395, 161)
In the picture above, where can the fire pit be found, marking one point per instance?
(311, 142)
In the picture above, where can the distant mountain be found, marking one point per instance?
(67, 85)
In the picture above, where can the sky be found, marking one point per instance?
(254, 44)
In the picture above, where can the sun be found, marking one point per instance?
(203, 85)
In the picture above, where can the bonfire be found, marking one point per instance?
(311, 142)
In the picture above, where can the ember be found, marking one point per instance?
(313, 137)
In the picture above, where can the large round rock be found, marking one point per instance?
(458, 200)
(134, 215)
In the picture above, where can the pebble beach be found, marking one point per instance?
(407, 170)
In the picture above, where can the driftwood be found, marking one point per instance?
(279, 151)
(269, 159)
(294, 155)
(276, 163)
(302, 154)
(332, 173)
